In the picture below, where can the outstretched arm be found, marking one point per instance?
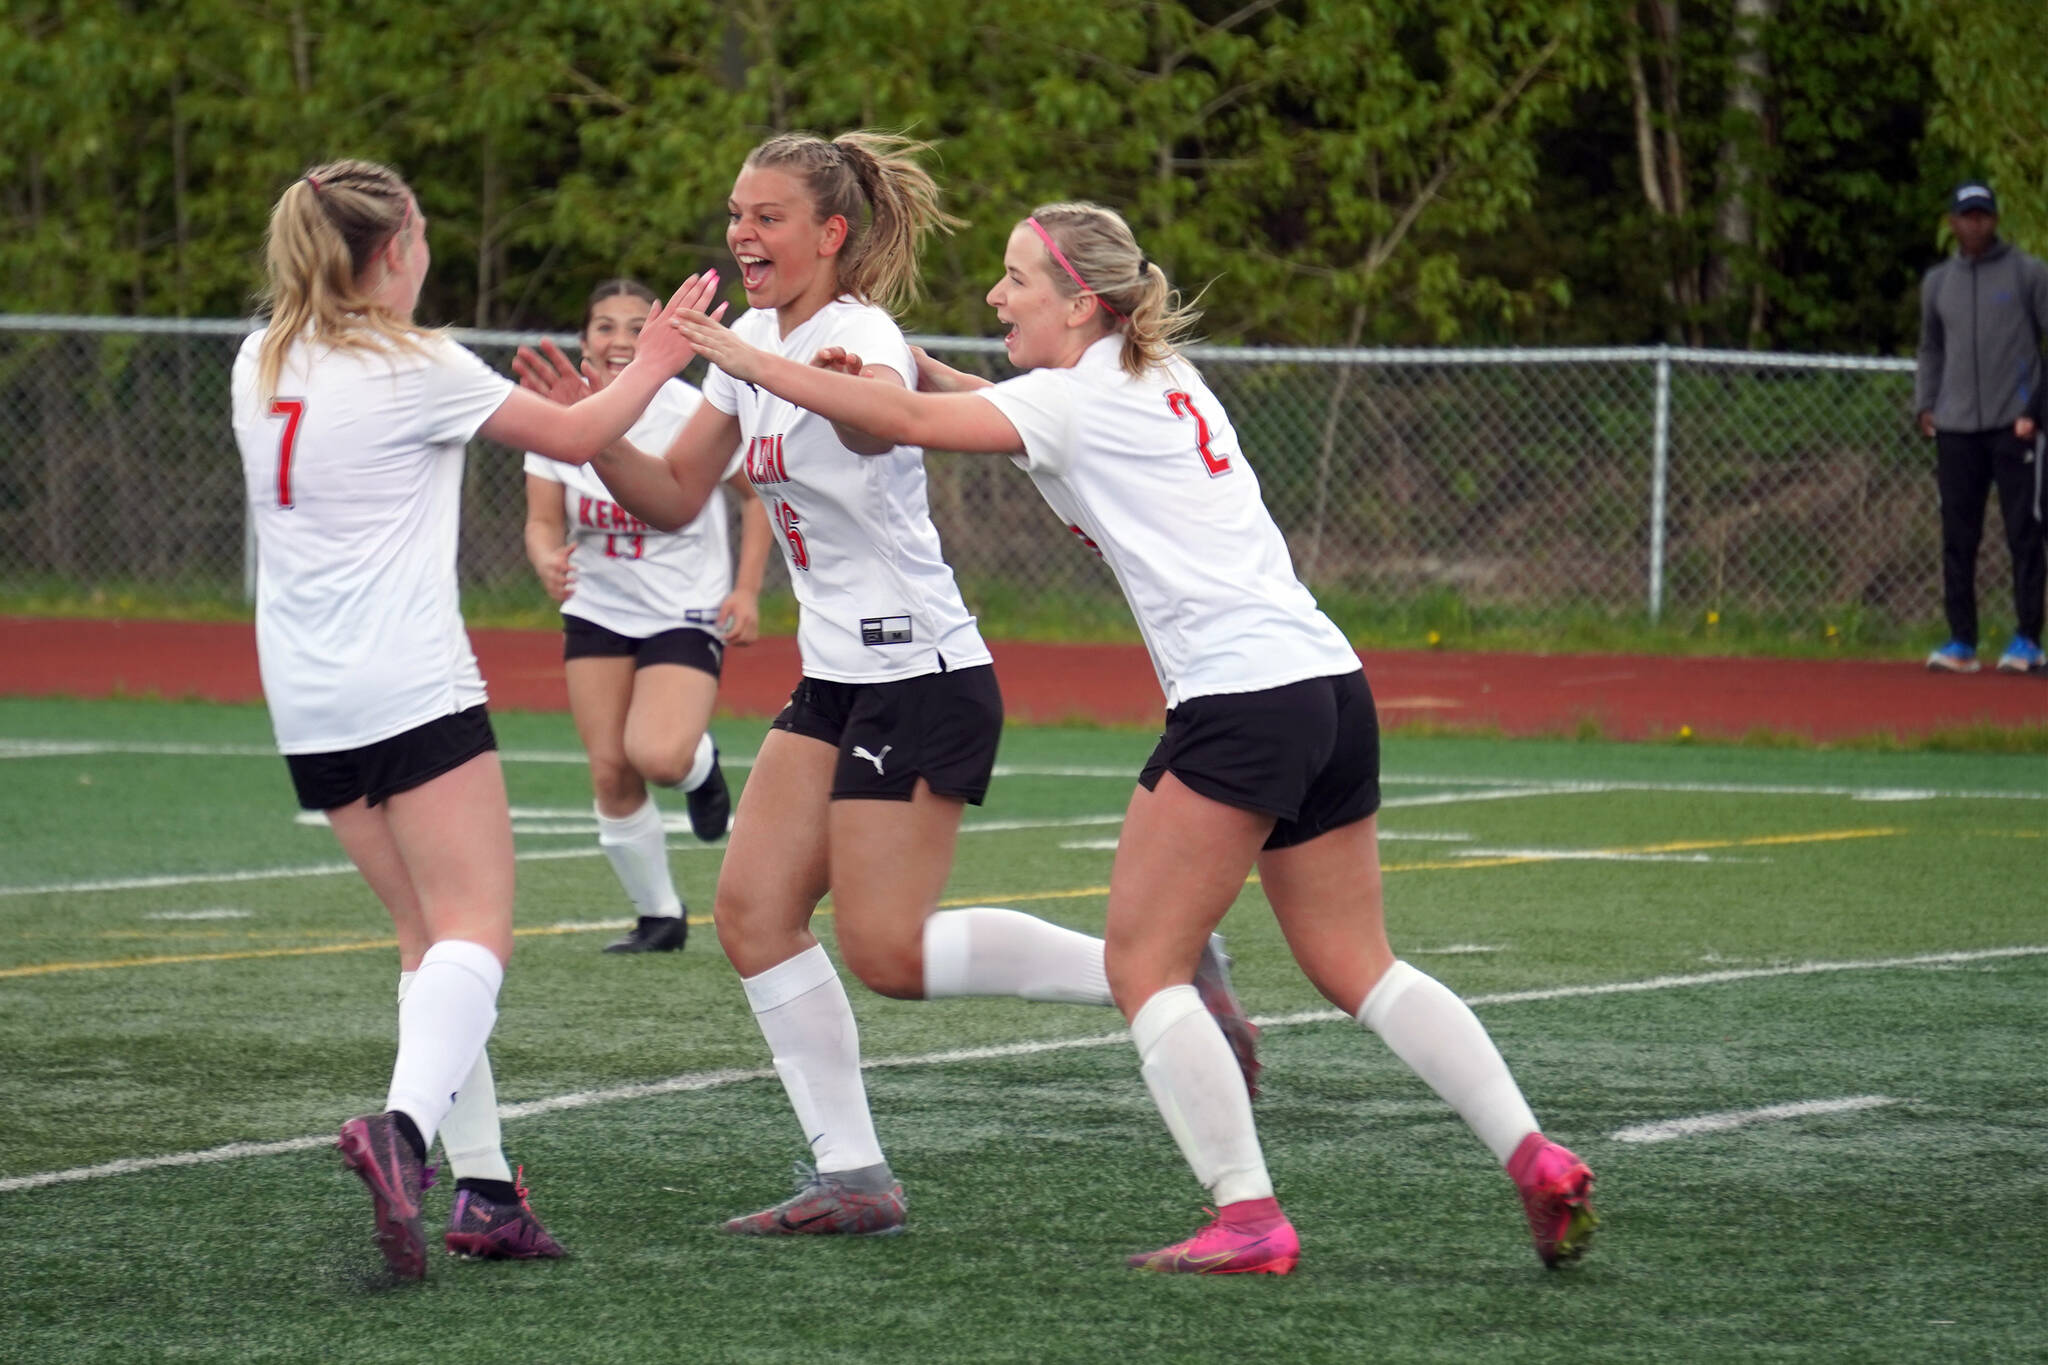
(944, 421)
(525, 421)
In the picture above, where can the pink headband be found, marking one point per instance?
(1072, 274)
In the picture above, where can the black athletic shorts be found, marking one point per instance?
(390, 766)
(1307, 753)
(942, 727)
(691, 646)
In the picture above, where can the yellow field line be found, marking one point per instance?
(1076, 893)
(1676, 846)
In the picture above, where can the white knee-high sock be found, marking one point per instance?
(804, 1014)
(638, 850)
(442, 1027)
(988, 951)
(1194, 1079)
(471, 1134)
(1442, 1041)
(700, 765)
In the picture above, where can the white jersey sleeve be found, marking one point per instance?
(354, 478)
(1040, 405)
(1148, 473)
(459, 393)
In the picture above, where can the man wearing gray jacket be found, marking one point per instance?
(1978, 392)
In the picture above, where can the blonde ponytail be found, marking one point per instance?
(324, 231)
(1138, 301)
(889, 201)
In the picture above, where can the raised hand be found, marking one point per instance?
(715, 342)
(664, 345)
(550, 374)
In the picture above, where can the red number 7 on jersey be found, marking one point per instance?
(1184, 406)
(291, 409)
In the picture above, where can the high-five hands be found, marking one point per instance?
(663, 347)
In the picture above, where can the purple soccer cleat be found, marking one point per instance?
(822, 1206)
(482, 1229)
(375, 1150)
(1212, 983)
(1557, 1194)
(1244, 1245)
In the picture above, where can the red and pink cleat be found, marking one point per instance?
(1557, 1194)
(1248, 1238)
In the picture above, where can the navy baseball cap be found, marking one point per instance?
(1974, 196)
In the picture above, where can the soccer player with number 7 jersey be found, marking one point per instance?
(1270, 757)
(860, 784)
(352, 422)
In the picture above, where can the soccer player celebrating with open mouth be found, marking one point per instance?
(860, 785)
(1270, 757)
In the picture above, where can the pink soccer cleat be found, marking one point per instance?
(483, 1229)
(1261, 1243)
(1557, 1194)
(375, 1150)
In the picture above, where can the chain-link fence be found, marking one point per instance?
(1634, 483)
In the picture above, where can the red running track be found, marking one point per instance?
(1625, 696)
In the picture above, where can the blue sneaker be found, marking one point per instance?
(1953, 657)
(2022, 656)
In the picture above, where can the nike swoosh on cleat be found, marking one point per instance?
(799, 1224)
(1219, 1257)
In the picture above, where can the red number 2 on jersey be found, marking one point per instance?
(291, 409)
(1184, 406)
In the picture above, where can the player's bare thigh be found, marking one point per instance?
(1180, 863)
(671, 706)
(364, 833)
(776, 869)
(890, 862)
(455, 834)
(1326, 894)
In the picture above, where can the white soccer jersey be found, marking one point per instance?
(877, 600)
(630, 577)
(1149, 474)
(354, 475)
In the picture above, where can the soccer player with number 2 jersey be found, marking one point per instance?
(1270, 757)
(860, 784)
(352, 422)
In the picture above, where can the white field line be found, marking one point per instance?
(1454, 950)
(200, 914)
(709, 1080)
(1742, 1118)
(537, 855)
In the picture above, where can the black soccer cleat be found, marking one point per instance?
(653, 934)
(710, 805)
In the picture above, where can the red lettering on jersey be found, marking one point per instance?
(1086, 539)
(583, 506)
(765, 463)
(787, 519)
(1184, 406)
(292, 410)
